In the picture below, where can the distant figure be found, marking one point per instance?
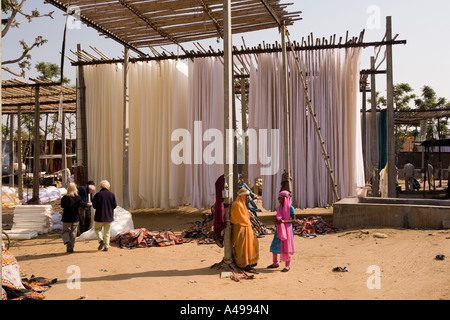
(409, 175)
(430, 176)
(104, 203)
(86, 193)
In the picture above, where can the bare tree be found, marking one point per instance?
(16, 16)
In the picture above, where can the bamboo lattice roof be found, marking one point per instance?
(143, 23)
(17, 93)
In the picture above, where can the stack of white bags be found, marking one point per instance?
(46, 195)
(30, 220)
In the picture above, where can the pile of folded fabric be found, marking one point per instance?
(31, 220)
(142, 238)
(312, 226)
(14, 287)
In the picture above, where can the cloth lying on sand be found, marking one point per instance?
(312, 226)
(142, 238)
(202, 232)
(16, 288)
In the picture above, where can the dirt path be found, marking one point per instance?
(404, 265)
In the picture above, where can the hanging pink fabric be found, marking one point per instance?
(284, 230)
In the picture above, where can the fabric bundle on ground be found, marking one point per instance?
(202, 232)
(312, 226)
(122, 221)
(14, 287)
(142, 238)
(332, 77)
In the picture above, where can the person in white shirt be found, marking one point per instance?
(409, 175)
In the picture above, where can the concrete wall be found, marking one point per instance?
(395, 213)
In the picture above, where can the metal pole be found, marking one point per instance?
(392, 192)
(228, 146)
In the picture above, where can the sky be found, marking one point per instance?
(424, 60)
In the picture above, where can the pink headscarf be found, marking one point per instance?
(284, 230)
(283, 213)
(284, 210)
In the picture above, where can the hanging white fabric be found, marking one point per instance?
(205, 124)
(158, 105)
(332, 77)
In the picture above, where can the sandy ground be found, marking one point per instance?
(404, 261)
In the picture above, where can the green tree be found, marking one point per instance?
(49, 71)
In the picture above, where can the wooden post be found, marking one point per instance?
(19, 153)
(374, 131)
(37, 149)
(126, 131)
(285, 86)
(364, 129)
(63, 150)
(392, 191)
(11, 151)
(244, 130)
(228, 93)
(82, 153)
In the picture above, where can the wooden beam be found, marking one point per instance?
(97, 27)
(246, 51)
(210, 14)
(150, 23)
(272, 12)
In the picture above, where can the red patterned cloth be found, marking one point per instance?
(142, 238)
(312, 226)
(16, 288)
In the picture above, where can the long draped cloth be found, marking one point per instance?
(244, 240)
(284, 231)
(219, 211)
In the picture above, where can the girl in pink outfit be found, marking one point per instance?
(283, 240)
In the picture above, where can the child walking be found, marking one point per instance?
(283, 240)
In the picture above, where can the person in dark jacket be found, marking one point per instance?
(104, 203)
(70, 203)
(86, 193)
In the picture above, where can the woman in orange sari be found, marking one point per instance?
(244, 240)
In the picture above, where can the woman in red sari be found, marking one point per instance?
(244, 240)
